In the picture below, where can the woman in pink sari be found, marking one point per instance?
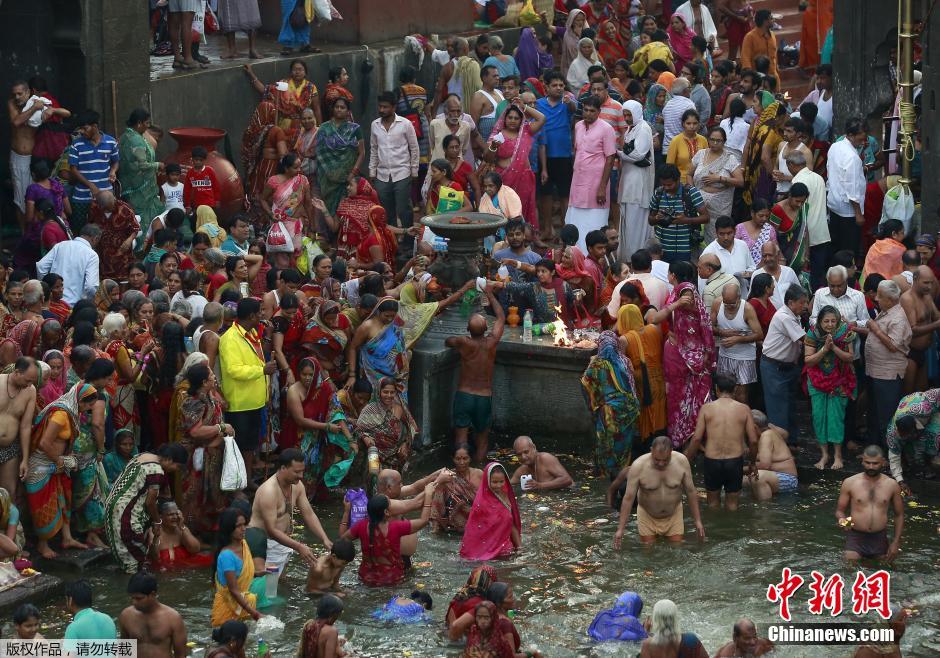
(689, 353)
(509, 148)
(494, 528)
(288, 202)
(581, 273)
(680, 40)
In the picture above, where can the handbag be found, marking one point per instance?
(234, 476)
(279, 240)
(412, 115)
(298, 16)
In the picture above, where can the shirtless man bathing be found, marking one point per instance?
(731, 431)
(776, 467)
(17, 410)
(544, 468)
(158, 629)
(918, 304)
(473, 402)
(867, 496)
(658, 479)
(273, 511)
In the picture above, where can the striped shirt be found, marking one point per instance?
(612, 113)
(672, 118)
(94, 163)
(676, 238)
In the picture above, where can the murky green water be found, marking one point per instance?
(568, 571)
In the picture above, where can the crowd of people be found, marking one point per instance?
(726, 245)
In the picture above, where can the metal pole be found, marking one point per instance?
(906, 85)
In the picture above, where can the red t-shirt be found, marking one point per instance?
(201, 188)
(215, 281)
(381, 564)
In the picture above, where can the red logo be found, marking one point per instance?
(872, 593)
(869, 593)
(827, 594)
(782, 591)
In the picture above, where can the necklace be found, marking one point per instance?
(10, 397)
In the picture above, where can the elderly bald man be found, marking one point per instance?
(544, 469)
(712, 279)
(33, 297)
(737, 332)
(744, 641)
(783, 275)
(120, 226)
(402, 499)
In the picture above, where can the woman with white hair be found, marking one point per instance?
(127, 366)
(665, 637)
(505, 65)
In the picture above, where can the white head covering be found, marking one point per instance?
(578, 71)
(636, 111)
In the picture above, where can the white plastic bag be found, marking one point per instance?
(322, 9)
(199, 459)
(899, 204)
(234, 477)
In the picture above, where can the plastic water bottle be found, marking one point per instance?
(262, 647)
(527, 327)
(374, 460)
(503, 273)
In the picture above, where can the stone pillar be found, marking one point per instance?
(929, 126)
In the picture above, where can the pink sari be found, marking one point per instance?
(688, 359)
(287, 207)
(518, 173)
(488, 534)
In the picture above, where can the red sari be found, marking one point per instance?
(318, 404)
(353, 215)
(488, 534)
(380, 236)
(382, 565)
(491, 645)
(115, 230)
(325, 343)
(610, 50)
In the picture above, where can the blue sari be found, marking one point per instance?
(291, 37)
(385, 356)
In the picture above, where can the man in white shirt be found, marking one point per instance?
(673, 110)
(734, 255)
(660, 268)
(77, 263)
(817, 216)
(393, 161)
(847, 183)
(783, 275)
(656, 290)
(780, 362)
(698, 18)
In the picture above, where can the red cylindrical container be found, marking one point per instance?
(233, 193)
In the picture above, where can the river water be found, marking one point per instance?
(568, 571)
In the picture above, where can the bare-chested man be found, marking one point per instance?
(910, 260)
(657, 479)
(473, 402)
(730, 430)
(866, 496)
(17, 410)
(543, 468)
(776, 467)
(273, 510)
(744, 642)
(922, 313)
(159, 629)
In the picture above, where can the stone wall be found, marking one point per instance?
(930, 124)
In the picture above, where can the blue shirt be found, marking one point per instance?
(94, 163)
(227, 561)
(557, 129)
(529, 257)
(90, 624)
(505, 69)
(232, 248)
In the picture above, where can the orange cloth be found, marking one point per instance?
(756, 44)
(884, 257)
(817, 19)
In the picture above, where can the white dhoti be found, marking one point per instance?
(19, 172)
(587, 220)
(635, 229)
(278, 555)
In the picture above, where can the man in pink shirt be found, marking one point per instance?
(595, 145)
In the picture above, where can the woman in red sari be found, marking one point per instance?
(484, 637)
(468, 596)
(291, 97)
(326, 337)
(380, 244)
(353, 216)
(494, 528)
(380, 539)
(56, 305)
(689, 353)
(581, 273)
(610, 45)
(288, 326)
(510, 143)
(264, 143)
(336, 89)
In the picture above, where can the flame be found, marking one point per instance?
(559, 331)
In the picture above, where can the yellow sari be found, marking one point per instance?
(208, 223)
(645, 351)
(224, 606)
(417, 316)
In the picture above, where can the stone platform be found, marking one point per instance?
(38, 590)
(74, 561)
(536, 387)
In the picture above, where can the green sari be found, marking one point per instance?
(336, 148)
(138, 176)
(88, 493)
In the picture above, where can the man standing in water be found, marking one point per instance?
(159, 629)
(730, 429)
(17, 410)
(273, 511)
(867, 496)
(473, 402)
(658, 479)
(404, 500)
(924, 318)
(744, 641)
(777, 472)
(543, 469)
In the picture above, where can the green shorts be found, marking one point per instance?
(474, 411)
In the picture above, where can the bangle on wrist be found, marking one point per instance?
(160, 522)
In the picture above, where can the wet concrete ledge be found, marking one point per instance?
(38, 590)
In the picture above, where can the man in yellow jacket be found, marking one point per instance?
(245, 379)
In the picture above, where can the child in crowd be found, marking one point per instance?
(324, 576)
(201, 186)
(319, 637)
(171, 192)
(26, 622)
